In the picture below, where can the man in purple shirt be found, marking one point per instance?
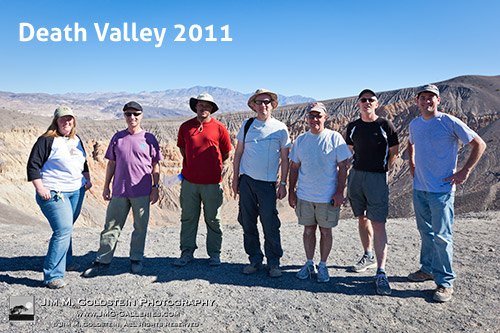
(133, 156)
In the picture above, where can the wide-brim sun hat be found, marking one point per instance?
(274, 97)
(203, 97)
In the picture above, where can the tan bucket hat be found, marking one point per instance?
(274, 98)
(203, 97)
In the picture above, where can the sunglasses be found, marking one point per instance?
(129, 114)
(314, 116)
(364, 100)
(265, 101)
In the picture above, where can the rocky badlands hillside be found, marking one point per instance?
(474, 99)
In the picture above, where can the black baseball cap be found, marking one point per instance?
(132, 105)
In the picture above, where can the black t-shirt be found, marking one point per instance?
(371, 142)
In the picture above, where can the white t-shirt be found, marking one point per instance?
(63, 169)
(264, 140)
(318, 155)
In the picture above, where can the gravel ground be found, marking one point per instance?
(219, 299)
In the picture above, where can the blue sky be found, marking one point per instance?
(319, 49)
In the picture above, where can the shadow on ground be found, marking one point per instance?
(341, 281)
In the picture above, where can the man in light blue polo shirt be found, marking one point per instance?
(432, 155)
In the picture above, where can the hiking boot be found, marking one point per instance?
(323, 275)
(443, 294)
(420, 276)
(96, 269)
(72, 267)
(57, 284)
(363, 264)
(382, 286)
(214, 261)
(252, 268)
(275, 271)
(305, 272)
(186, 256)
(136, 266)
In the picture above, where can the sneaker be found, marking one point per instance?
(275, 271)
(363, 264)
(73, 267)
(323, 275)
(443, 294)
(382, 286)
(305, 272)
(420, 276)
(57, 284)
(252, 268)
(214, 261)
(136, 266)
(96, 269)
(186, 257)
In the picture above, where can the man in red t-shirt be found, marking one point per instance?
(204, 143)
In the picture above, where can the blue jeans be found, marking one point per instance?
(258, 198)
(434, 215)
(62, 210)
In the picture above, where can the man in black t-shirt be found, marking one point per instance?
(374, 143)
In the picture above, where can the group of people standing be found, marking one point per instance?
(317, 166)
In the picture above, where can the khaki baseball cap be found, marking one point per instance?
(318, 107)
(62, 111)
(428, 88)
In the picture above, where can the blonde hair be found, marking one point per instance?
(53, 130)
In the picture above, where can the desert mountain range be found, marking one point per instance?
(108, 105)
(474, 99)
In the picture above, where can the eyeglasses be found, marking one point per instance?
(364, 100)
(265, 101)
(314, 116)
(129, 114)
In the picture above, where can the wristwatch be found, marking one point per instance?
(156, 185)
(283, 183)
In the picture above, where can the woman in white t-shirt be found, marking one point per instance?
(58, 169)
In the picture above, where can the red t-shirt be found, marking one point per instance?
(203, 150)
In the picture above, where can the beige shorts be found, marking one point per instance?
(322, 214)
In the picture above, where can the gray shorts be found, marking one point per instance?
(368, 194)
(322, 214)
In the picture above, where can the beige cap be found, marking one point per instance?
(318, 107)
(63, 111)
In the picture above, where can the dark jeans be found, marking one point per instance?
(258, 198)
